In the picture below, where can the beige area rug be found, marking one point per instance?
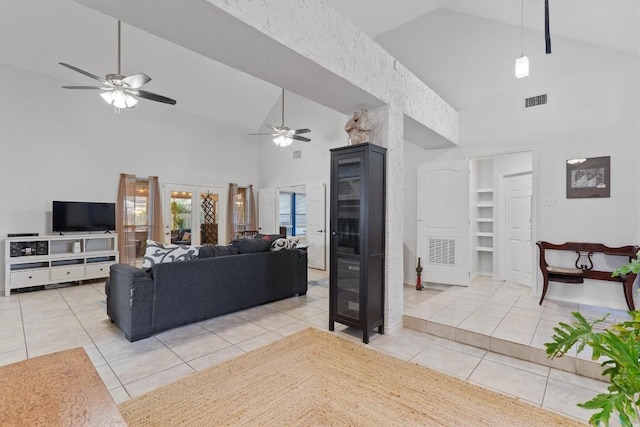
(313, 378)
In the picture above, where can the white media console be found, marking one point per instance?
(42, 260)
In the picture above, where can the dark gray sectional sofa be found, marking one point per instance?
(178, 293)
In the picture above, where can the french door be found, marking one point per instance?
(194, 215)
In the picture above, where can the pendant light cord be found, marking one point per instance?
(522, 27)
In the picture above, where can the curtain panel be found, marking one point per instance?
(156, 228)
(252, 220)
(125, 224)
(232, 212)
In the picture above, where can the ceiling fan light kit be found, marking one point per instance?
(120, 91)
(282, 141)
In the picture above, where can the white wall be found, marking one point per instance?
(593, 110)
(59, 144)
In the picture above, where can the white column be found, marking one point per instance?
(387, 131)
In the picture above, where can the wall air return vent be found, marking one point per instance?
(535, 101)
(442, 251)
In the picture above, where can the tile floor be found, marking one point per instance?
(46, 321)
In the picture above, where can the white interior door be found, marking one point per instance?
(519, 250)
(316, 226)
(443, 222)
(268, 219)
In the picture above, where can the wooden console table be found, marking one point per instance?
(58, 389)
(584, 266)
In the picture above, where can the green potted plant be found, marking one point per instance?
(620, 345)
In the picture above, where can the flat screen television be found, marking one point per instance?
(83, 216)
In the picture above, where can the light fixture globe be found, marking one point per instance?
(522, 67)
(119, 99)
(282, 141)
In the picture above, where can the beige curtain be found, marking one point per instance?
(126, 231)
(252, 223)
(156, 222)
(232, 212)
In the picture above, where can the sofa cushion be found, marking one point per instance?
(157, 253)
(248, 246)
(211, 251)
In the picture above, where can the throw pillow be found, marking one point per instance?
(284, 244)
(157, 253)
(279, 245)
(186, 237)
(248, 246)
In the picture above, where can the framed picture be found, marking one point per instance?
(588, 178)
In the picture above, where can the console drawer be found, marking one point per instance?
(21, 279)
(100, 269)
(67, 272)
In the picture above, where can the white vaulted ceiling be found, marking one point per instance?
(37, 34)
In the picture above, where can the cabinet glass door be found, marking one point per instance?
(348, 236)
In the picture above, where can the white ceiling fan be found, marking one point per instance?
(284, 136)
(118, 90)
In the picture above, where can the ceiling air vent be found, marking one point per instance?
(297, 154)
(535, 101)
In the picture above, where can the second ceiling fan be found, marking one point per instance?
(284, 135)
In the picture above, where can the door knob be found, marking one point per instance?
(320, 231)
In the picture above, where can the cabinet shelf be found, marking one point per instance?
(42, 260)
(484, 190)
(484, 219)
(485, 205)
(484, 249)
(484, 234)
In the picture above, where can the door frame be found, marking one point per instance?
(535, 285)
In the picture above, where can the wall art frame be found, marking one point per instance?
(589, 178)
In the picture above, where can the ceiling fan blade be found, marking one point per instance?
(300, 138)
(274, 128)
(299, 131)
(86, 73)
(137, 80)
(88, 87)
(151, 96)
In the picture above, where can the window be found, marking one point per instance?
(292, 213)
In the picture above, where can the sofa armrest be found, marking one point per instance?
(302, 271)
(130, 300)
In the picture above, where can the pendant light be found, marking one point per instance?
(522, 63)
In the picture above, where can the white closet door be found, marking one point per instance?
(519, 251)
(443, 222)
(316, 226)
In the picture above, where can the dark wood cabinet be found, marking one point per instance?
(357, 225)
